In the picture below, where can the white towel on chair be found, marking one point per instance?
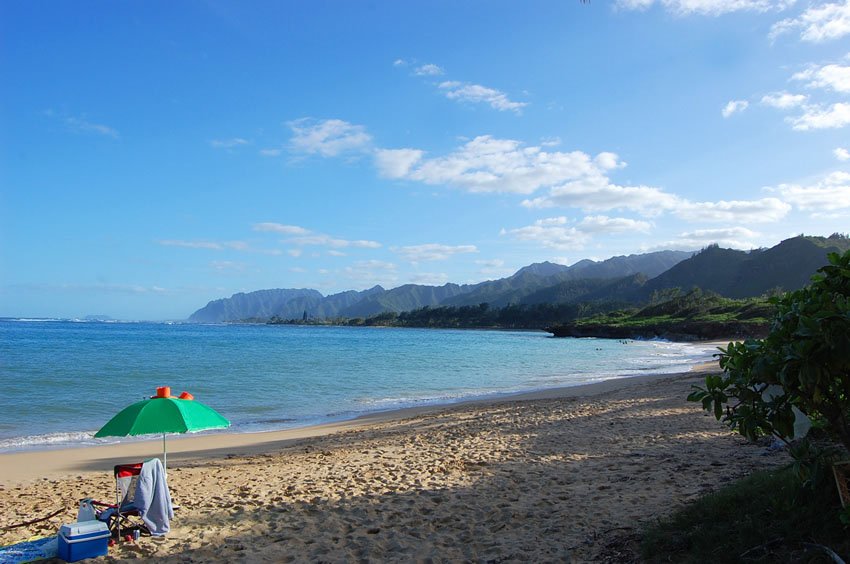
(153, 500)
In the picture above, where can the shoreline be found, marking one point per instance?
(82, 439)
(571, 474)
(63, 461)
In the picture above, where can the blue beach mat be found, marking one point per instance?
(28, 551)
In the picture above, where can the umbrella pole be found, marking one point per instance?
(164, 456)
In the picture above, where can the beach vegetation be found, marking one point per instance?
(697, 314)
(690, 315)
(801, 367)
(695, 305)
(767, 517)
(514, 316)
(797, 377)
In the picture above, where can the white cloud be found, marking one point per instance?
(322, 240)
(784, 100)
(328, 138)
(765, 210)
(399, 63)
(608, 161)
(432, 251)
(428, 70)
(271, 152)
(375, 264)
(597, 193)
(297, 269)
(832, 77)
(476, 93)
(827, 195)
(493, 267)
(305, 237)
(227, 265)
(554, 232)
(280, 228)
(820, 117)
(487, 164)
(370, 272)
(396, 163)
(550, 221)
(335, 253)
(430, 278)
(491, 263)
(603, 224)
(228, 143)
(723, 233)
(550, 236)
(730, 237)
(841, 153)
(80, 124)
(734, 107)
(240, 246)
(817, 23)
(101, 288)
(706, 7)
(192, 244)
(634, 4)
(237, 245)
(294, 252)
(573, 179)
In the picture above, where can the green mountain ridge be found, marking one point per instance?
(618, 282)
(535, 278)
(257, 305)
(744, 274)
(403, 298)
(293, 304)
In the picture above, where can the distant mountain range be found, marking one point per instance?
(293, 303)
(618, 281)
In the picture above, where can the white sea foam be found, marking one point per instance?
(50, 440)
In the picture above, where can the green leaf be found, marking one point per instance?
(718, 410)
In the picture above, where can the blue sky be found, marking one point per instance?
(155, 156)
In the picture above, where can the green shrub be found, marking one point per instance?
(803, 363)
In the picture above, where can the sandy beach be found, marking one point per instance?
(562, 475)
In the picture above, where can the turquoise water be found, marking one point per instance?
(63, 380)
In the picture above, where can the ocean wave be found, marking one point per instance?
(33, 319)
(51, 440)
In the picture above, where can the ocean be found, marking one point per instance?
(62, 380)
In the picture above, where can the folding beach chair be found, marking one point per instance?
(119, 515)
(126, 480)
(141, 491)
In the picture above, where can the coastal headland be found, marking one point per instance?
(565, 474)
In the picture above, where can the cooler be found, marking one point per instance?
(86, 539)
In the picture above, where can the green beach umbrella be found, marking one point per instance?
(163, 414)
